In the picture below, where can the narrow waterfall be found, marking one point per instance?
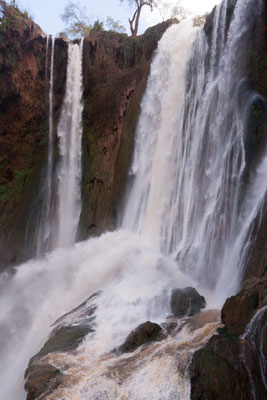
(59, 200)
(70, 134)
(44, 228)
(190, 213)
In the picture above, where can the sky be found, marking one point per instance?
(46, 13)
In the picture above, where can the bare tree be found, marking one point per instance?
(76, 20)
(114, 26)
(139, 4)
(169, 10)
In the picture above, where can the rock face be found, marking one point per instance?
(23, 124)
(144, 333)
(229, 365)
(186, 302)
(115, 69)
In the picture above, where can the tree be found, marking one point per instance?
(139, 4)
(200, 20)
(115, 26)
(169, 10)
(75, 18)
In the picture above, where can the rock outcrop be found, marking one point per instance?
(186, 302)
(229, 365)
(70, 330)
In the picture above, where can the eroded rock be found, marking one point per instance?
(186, 301)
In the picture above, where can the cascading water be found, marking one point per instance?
(188, 193)
(70, 135)
(44, 227)
(59, 200)
(189, 203)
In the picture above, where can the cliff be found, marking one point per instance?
(115, 70)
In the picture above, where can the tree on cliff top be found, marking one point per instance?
(76, 20)
(78, 23)
(139, 4)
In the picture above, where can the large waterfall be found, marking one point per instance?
(188, 221)
(189, 195)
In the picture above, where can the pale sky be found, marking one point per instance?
(46, 13)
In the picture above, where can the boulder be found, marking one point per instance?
(186, 301)
(68, 333)
(144, 333)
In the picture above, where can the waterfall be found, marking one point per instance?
(189, 194)
(70, 134)
(192, 210)
(59, 200)
(44, 229)
(43, 215)
(147, 201)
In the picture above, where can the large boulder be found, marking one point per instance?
(68, 333)
(186, 301)
(144, 333)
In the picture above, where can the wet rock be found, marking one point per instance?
(66, 338)
(229, 366)
(186, 302)
(70, 330)
(216, 371)
(41, 379)
(144, 333)
(238, 310)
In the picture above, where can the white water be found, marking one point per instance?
(70, 135)
(147, 203)
(188, 194)
(59, 200)
(185, 203)
(44, 228)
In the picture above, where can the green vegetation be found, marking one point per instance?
(77, 22)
